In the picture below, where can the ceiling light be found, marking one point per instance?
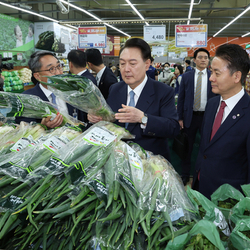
(242, 13)
(30, 12)
(246, 34)
(23, 5)
(190, 11)
(90, 14)
(62, 8)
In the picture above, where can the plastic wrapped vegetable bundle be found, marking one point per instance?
(30, 106)
(81, 93)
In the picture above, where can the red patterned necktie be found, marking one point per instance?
(218, 119)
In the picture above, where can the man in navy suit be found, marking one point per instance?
(145, 106)
(224, 155)
(104, 75)
(45, 63)
(190, 112)
(77, 64)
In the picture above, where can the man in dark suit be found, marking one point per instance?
(188, 67)
(144, 106)
(45, 63)
(77, 64)
(195, 90)
(224, 155)
(104, 75)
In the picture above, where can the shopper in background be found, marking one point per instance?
(142, 105)
(30, 35)
(45, 63)
(152, 72)
(104, 77)
(166, 75)
(178, 71)
(188, 67)
(195, 90)
(77, 64)
(224, 155)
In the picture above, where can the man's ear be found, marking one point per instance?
(37, 76)
(148, 63)
(237, 76)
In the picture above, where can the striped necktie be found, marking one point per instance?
(197, 96)
(131, 102)
(54, 100)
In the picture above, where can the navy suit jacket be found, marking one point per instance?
(186, 96)
(90, 76)
(157, 101)
(107, 79)
(38, 92)
(226, 158)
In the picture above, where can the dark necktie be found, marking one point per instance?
(131, 102)
(54, 100)
(218, 119)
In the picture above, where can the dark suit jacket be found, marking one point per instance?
(38, 92)
(226, 158)
(186, 96)
(90, 76)
(157, 101)
(108, 78)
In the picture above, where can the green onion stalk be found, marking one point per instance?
(30, 106)
(81, 93)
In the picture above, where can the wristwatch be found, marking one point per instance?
(144, 119)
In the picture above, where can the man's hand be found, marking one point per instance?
(181, 124)
(128, 114)
(94, 118)
(56, 122)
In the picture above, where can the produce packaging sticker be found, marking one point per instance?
(136, 164)
(99, 137)
(22, 143)
(54, 143)
(191, 35)
(176, 214)
(220, 222)
(92, 37)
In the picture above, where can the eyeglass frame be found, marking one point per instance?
(58, 67)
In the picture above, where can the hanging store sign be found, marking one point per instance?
(92, 37)
(191, 35)
(157, 51)
(154, 33)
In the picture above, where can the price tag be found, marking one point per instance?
(157, 51)
(191, 35)
(92, 37)
(53, 144)
(154, 33)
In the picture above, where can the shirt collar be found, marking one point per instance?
(204, 71)
(99, 74)
(80, 73)
(45, 91)
(232, 101)
(139, 88)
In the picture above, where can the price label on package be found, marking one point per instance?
(154, 33)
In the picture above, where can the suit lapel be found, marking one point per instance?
(102, 77)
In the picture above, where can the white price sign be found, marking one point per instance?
(191, 35)
(92, 37)
(154, 33)
(157, 51)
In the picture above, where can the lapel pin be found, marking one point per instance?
(238, 114)
(234, 116)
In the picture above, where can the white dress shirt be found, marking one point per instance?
(80, 73)
(203, 88)
(62, 107)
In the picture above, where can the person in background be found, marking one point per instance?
(224, 155)
(178, 71)
(19, 35)
(77, 64)
(152, 72)
(194, 92)
(166, 75)
(110, 65)
(104, 75)
(45, 63)
(142, 105)
(30, 35)
(188, 67)
(1, 82)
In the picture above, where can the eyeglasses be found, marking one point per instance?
(53, 69)
(202, 57)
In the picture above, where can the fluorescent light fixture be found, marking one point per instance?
(70, 26)
(190, 11)
(246, 34)
(90, 14)
(30, 12)
(242, 13)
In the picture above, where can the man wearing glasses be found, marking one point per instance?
(45, 63)
(195, 91)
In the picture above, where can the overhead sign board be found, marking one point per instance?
(92, 37)
(154, 33)
(191, 35)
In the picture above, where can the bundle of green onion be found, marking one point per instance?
(30, 106)
(81, 93)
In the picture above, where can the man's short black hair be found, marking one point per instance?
(78, 58)
(201, 50)
(94, 56)
(140, 44)
(188, 62)
(236, 57)
(167, 64)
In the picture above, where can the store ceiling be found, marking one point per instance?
(215, 13)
